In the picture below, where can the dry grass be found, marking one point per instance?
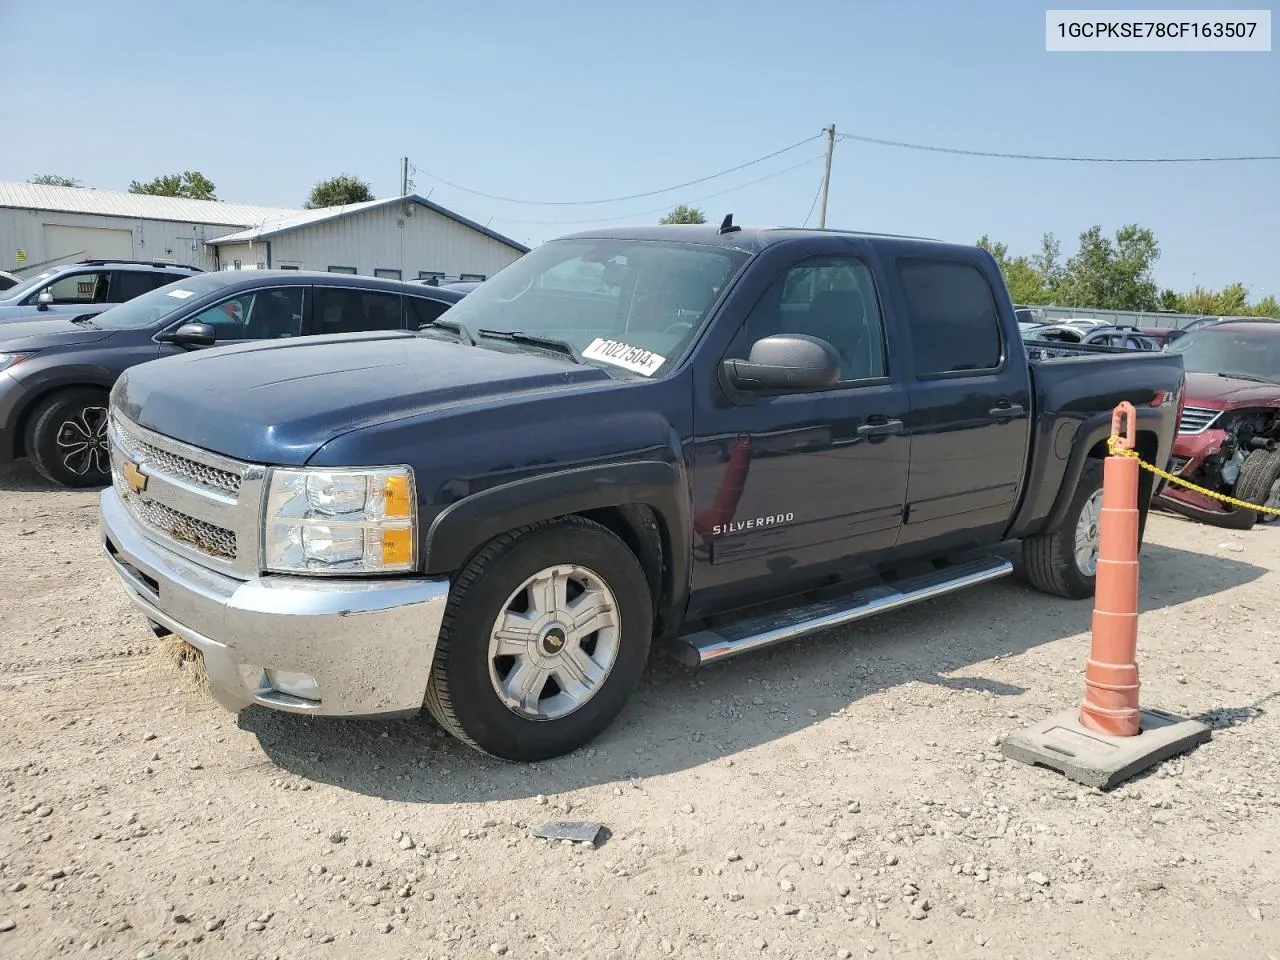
(184, 663)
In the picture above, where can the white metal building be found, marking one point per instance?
(409, 237)
(401, 238)
(42, 225)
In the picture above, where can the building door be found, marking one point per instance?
(62, 243)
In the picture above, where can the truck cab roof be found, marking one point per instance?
(751, 239)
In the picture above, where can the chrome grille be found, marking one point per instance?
(172, 465)
(206, 537)
(203, 505)
(1197, 419)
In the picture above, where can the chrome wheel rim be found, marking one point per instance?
(555, 642)
(1088, 534)
(1272, 501)
(82, 442)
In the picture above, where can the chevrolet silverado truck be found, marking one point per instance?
(714, 438)
(1229, 432)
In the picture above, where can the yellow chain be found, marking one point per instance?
(1113, 445)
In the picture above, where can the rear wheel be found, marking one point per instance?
(66, 439)
(544, 639)
(1065, 562)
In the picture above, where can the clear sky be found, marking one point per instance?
(572, 100)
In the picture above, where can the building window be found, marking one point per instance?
(432, 277)
(342, 269)
(386, 273)
(471, 277)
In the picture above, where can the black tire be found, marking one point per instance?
(1050, 559)
(66, 438)
(460, 694)
(1259, 474)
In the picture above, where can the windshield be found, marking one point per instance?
(629, 306)
(1249, 352)
(16, 293)
(156, 305)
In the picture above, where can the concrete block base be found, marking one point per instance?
(1063, 744)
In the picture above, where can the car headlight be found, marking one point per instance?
(340, 521)
(8, 360)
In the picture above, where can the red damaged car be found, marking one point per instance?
(1229, 434)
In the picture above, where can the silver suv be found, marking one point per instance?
(86, 288)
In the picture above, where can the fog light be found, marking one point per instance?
(301, 685)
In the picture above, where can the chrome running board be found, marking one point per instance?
(730, 639)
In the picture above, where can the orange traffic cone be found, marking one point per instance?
(1111, 674)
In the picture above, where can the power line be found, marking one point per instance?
(821, 183)
(1036, 156)
(633, 196)
(644, 213)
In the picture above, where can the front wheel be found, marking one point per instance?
(67, 439)
(545, 637)
(1259, 483)
(1065, 562)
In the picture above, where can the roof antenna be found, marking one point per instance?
(726, 225)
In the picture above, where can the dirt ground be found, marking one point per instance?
(844, 796)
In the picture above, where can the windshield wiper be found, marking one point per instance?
(533, 340)
(1246, 376)
(453, 326)
(86, 319)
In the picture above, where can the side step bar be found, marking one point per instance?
(730, 639)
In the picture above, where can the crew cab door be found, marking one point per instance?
(790, 484)
(970, 403)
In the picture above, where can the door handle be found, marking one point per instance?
(880, 428)
(1006, 411)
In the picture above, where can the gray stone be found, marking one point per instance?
(1063, 744)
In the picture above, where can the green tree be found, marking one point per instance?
(685, 214)
(1268, 306)
(1048, 264)
(54, 180)
(1113, 274)
(338, 190)
(191, 184)
(1172, 300)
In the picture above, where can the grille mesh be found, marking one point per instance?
(206, 537)
(180, 468)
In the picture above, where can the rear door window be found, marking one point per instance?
(955, 326)
(352, 310)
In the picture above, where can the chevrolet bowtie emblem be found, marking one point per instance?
(135, 478)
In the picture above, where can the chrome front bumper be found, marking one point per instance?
(368, 644)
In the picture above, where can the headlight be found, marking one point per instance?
(340, 521)
(8, 360)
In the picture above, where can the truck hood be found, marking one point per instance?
(1229, 393)
(40, 334)
(279, 403)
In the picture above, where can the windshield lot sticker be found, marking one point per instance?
(182, 294)
(636, 359)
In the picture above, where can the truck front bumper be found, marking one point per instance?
(306, 645)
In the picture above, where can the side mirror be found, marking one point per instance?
(191, 335)
(786, 361)
(44, 300)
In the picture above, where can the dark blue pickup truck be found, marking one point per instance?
(714, 437)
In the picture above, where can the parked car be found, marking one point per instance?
(1229, 433)
(8, 280)
(1125, 338)
(498, 515)
(55, 374)
(86, 288)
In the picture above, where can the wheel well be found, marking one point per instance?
(641, 528)
(33, 404)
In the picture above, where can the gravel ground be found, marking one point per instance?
(844, 796)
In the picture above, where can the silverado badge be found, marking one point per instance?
(134, 477)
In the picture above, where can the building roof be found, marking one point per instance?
(306, 218)
(141, 206)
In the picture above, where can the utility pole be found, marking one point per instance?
(404, 177)
(826, 176)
